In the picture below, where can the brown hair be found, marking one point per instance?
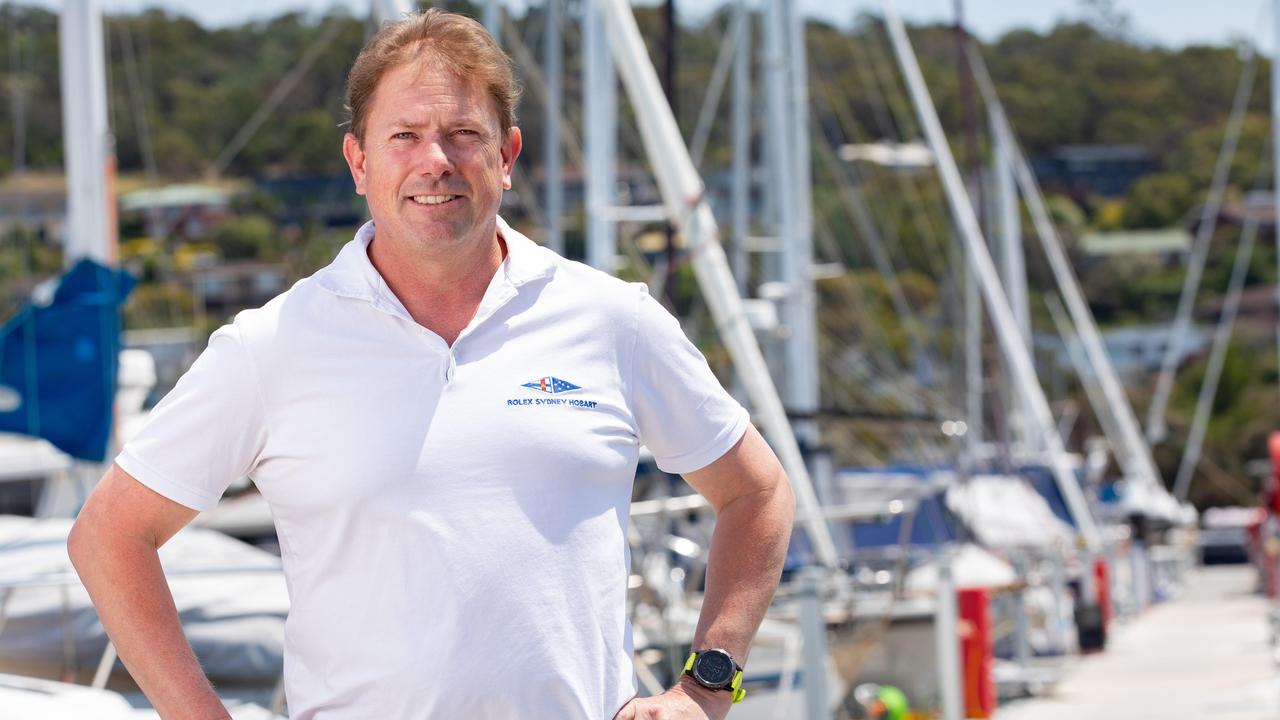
(459, 43)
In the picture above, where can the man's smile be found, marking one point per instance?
(433, 199)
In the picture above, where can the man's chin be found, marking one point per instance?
(444, 234)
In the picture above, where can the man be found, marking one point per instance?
(445, 422)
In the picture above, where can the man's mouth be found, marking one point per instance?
(433, 199)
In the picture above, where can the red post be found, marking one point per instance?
(1100, 574)
(977, 652)
(1266, 532)
(1273, 444)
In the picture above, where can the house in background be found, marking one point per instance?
(1083, 170)
(190, 211)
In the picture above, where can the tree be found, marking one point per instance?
(1158, 201)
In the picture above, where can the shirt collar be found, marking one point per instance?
(353, 275)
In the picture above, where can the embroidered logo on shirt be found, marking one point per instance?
(551, 385)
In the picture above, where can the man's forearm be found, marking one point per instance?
(748, 548)
(128, 588)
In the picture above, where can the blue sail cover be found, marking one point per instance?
(933, 523)
(1042, 479)
(58, 362)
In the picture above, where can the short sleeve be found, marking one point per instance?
(207, 432)
(685, 417)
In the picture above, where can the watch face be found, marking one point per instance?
(714, 668)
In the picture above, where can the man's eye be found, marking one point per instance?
(402, 136)
(466, 131)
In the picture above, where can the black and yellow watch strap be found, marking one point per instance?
(735, 687)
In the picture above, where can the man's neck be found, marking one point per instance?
(441, 294)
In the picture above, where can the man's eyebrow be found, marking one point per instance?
(477, 120)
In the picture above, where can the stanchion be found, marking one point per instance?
(814, 627)
(946, 641)
(1021, 624)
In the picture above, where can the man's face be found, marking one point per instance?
(434, 160)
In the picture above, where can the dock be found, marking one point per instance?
(1204, 655)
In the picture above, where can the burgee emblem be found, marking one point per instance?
(551, 385)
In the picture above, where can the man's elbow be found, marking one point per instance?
(80, 543)
(89, 537)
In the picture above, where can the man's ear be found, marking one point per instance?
(510, 151)
(352, 151)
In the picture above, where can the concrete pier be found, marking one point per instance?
(1204, 655)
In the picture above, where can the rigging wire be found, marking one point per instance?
(532, 70)
(1221, 344)
(855, 207)
(738, 24)
(918, 210)
(839, 102)
(278, 94)
(1156, 430)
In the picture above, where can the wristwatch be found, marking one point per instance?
(715, 669)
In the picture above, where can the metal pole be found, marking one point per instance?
(797, 259)
(1011, 342)
(740, 117)
(86, 137)
(493, 19)
(670, 37)
(1138, 570)
(105, 664)
(973, 366)
(973, 385)
(1021, 625)
(780, 188)
(553, 183)
(1058, 586)
(599, 105)
(814, 626)
(946, 641)
(683, 195)
(1013, 265)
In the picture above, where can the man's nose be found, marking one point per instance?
(433, 160)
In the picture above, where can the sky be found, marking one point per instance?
(1171, 23)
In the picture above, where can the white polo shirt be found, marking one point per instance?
(452, 520)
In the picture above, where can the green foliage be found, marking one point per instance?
(158, 305)
(248, 237)
(1158, 200)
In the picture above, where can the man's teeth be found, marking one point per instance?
(432, 199)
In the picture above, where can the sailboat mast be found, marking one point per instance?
(683, 195)
(975, 405)
(90, 230)
(1011, 341)
(600, 124)
(800, 312)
